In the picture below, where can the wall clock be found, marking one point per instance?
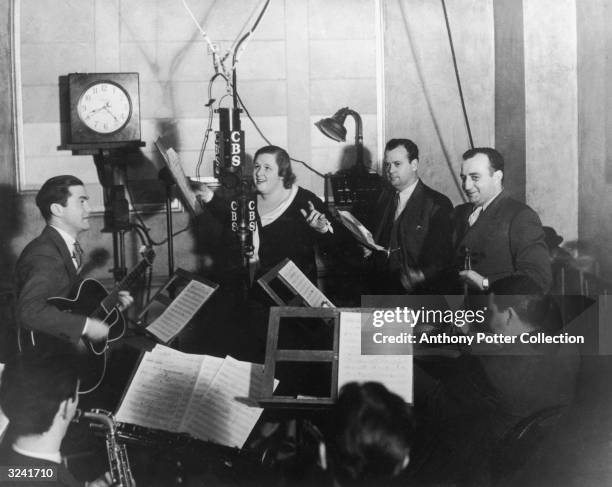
(104, 107)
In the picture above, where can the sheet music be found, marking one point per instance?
(359, 231)
(173, 164)
(208, 370)
(161, 389)
(181, 310)
(302, 285)
(393, 371)
(220, 417)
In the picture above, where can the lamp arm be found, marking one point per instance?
(358, 136)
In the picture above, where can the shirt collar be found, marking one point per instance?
(484, 207)
(54, 457)
(406, 193)
(69, 239)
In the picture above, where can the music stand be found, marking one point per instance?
(166, 297)
(275, 355)
(302, 291)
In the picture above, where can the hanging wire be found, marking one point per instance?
(239, 48)
(452, 47)
(143, 230)
(213, 48)
(268, 140)
(211, 112)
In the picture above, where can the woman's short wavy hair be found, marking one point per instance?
(283, 161)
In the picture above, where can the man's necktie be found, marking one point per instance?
(474, 215)
(385, 234)
(77, 254)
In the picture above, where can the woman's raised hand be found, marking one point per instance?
(316, 219)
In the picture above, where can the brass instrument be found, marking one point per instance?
(120, 470)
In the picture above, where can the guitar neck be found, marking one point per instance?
(125, 284)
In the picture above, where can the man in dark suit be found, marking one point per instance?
(502, 236)
(39, 396)
(49, 265)
(412, 221)
(525, 366)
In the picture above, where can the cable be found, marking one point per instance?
(141, 227)
(138, 216)
(213, 48)
(210, 119)
(450, 40)
(238, 50)
(268, 141)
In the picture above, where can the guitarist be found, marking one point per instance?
(49, 266)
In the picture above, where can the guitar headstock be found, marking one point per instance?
(148, 254)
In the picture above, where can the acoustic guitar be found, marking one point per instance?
(91, 299)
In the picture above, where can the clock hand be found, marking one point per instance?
(111, 113)
(94, 111)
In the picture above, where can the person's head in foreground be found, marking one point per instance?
(517, 305)
(371, 434)
(39, 395)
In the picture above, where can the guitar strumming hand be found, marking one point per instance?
(105, 322)
(97, 330)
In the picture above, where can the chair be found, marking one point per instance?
(521, 442)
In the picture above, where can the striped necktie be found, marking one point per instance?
(77, 254)
(474, 215)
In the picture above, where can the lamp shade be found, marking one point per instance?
(333, 127)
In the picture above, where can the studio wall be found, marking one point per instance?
(307, 60)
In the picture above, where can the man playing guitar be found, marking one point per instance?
(50, 264)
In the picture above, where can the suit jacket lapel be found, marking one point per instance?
(412, 211)
(486, 220)
(409, 220)
(385, 205)
(62, 248)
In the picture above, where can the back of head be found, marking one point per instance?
(372, 433)
(32, 387)
(55, 190)
(526, 298)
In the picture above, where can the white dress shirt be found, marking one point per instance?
(69, 239)
(404, 196)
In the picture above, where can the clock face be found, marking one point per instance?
(104, 107)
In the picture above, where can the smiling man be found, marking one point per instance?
(503, 236)
(49, 266)
(412, 221)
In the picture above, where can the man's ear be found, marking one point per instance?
(62, 409)
(403, 465)
(56, 209)
(498, 175)
(512, 316)
(414, 164)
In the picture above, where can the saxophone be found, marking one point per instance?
(120, 470)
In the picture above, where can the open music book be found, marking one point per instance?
(395, 372)
(173, 164)
(358, 230)
(181, 310)
(297, 282)
(201, 395)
